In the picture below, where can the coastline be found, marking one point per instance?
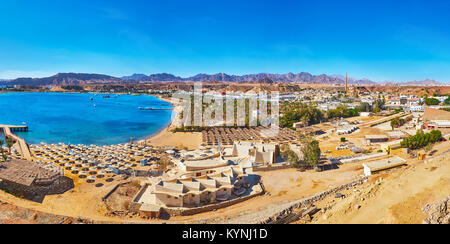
(166, 138)
(163, 132)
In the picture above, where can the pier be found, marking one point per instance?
(21, 145)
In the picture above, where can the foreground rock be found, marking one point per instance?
(439, 212)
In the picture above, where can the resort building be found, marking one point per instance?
(416, 108)
(258, 153)
(191, 192)
(343, 130)
(436, 119)
(365, 114)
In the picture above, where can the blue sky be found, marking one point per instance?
(380, 40)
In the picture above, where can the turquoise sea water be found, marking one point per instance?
(73, 118)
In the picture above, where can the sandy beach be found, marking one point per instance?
(181, 140)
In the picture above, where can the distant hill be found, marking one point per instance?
(426, 82)
(303, 77)
(153, 77)
(65, 79)
(277, 78)
(135, 77)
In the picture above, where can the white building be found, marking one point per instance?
(417, 108)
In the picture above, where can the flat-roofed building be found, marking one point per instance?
(190, 191)
(396, 134)
(376, 139)
(343, 130)
(365, 114)
(300, 125)
(259, 152)
(383, 164)
(391, 145)
(436, 118)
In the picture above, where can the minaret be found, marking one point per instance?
(346, 83)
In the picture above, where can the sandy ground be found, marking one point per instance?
(398, 199)
(83, 200)
(283, 185)
(181, 140)
(396, 196)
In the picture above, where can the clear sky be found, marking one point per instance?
(380, 40)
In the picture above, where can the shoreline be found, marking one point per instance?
(166, 138)
(160, 133)
(169, 124)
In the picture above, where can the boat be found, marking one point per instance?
(107, 96)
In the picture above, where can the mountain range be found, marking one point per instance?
(303, 77)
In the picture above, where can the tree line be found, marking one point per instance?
(421, 139)
(310, 114)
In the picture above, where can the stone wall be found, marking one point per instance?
(271, 168)
(113, 190)
(35, 192)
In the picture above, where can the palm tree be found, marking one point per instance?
(2, 152)
(9, 143)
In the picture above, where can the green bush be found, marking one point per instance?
(421, 139)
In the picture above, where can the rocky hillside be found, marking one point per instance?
(411, 195)
(277, 78)
(64, 79)
(300, 78)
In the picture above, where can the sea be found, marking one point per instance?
(84, 118)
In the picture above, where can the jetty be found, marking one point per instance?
(21, 145)
(150, 108)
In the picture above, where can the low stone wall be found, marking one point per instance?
(35, 192)
(134, 205)
(270, 168)
(113, 190)
(310, 200)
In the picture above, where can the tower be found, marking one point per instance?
(346, 83)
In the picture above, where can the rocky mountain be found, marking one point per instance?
(153, 77)
(136, 77)
(303, 77)
(278, 78)
(426, 82)
(64, 79)
(362, 81)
